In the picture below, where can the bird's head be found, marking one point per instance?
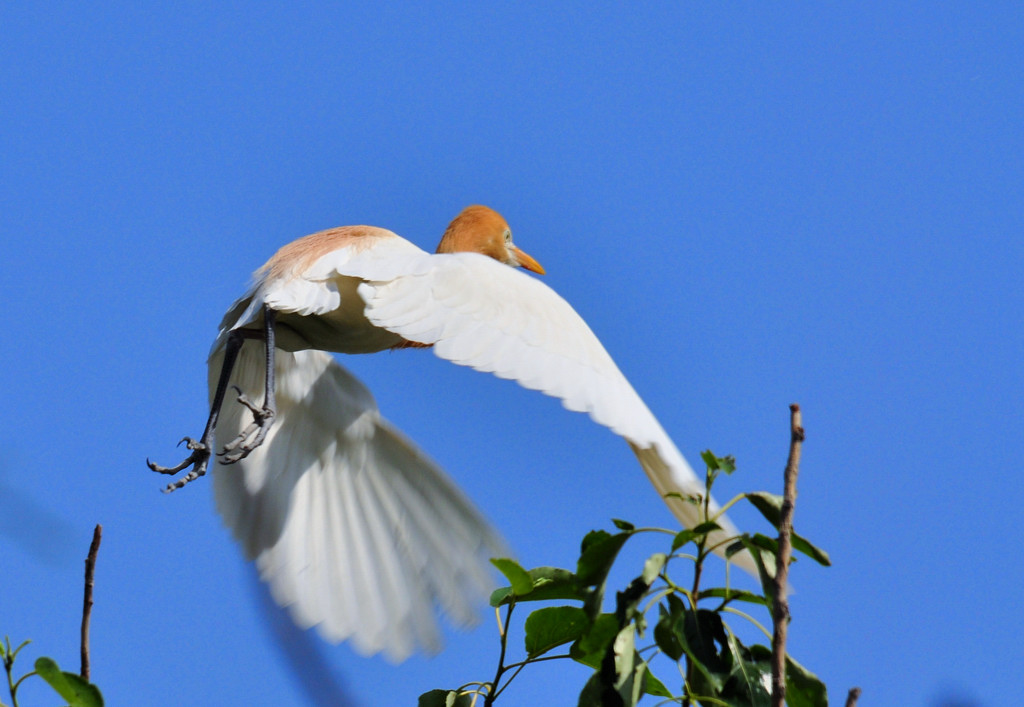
(479, 229)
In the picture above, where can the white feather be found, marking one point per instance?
(480, 313)
(354, 528)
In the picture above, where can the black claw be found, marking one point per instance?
(251, 437)
(198, 470)
(254, 433)
(198, 460)
(190, 443)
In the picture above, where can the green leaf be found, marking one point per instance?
(771, 545)
(444, 698)
(694, 498)
(501, 596)
(554, 583)
(623, 524)
(767, 544)
(634, 689)
(594, 536)
(734, 548)
(700, 634)
(770, 507)
(683, 537)
(599, 550)
(803, 688)
(769, 504)
(733, 595)
(706, 527)
(12, 654)
(749, 679)
(519, 578)
(71, 687)
(668, 629)
(678, 633)
(624, 646)
(726, 465)
(548, 583)
(626, 674)
(653, 567)
(628, 600)
(766, 575)
(620, 677)
(654, 686)
(592, 645)
(554, 626)
(594, 694)
(815, 553)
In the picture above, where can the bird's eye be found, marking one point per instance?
(508, 236)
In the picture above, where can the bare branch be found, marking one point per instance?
(852, 696)
(780, 608)
(90, 568)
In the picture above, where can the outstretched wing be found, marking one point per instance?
(480, 313)
(352, 527)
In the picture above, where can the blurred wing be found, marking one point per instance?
(480, 313)
(353, 528)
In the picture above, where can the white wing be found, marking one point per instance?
(480, 313)
(349, 523)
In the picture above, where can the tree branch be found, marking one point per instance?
(493, 693)
(780, 608)
(852, 696)
(90, 567)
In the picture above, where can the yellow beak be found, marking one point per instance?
(525, 261)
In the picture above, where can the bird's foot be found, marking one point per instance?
(252, 436)
(198, 460)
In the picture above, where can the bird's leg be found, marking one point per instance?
(263, 417)
(200, 456)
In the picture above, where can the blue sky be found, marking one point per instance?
(750, 205)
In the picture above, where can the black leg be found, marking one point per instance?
(200, 457)
(263, 417)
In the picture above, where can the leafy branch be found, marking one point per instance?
(75, 689)
(690, 621)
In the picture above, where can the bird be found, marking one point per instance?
(355, 529)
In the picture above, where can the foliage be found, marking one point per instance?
(76, 691)
(689, 624)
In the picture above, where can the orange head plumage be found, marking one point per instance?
(479, 229)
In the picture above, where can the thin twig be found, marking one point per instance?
(493, 694)
(852, 696)
(780, 609)
(698, 566)
(541, 659)
(90, 567)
